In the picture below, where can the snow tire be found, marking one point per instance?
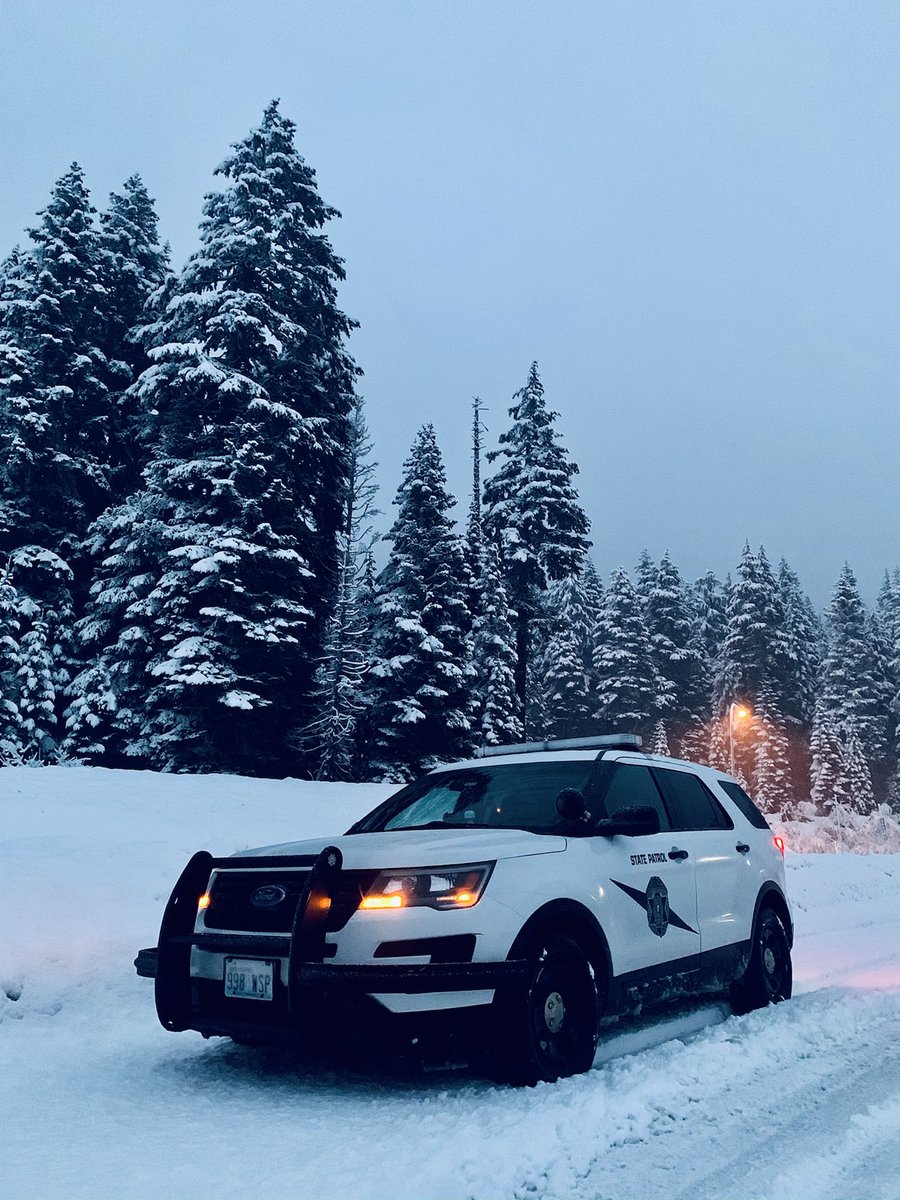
(548, 1030)
(769, 975)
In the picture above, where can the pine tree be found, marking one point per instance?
(494, 656)
(213, 582)
(628, 686)
(40, 654)
(887, 607)
(888, 612)
(659, 743)
(674, 648)
(798, 684)
(857, 780)
(853, 685)
(532, 513)
(826, 753)
(772, 783)
(10, 722)
(330, 740)
(568, 657)
(422, 675)
(134, 271)
(710, 602)
(715, 753)
(567, 698)
(755, 648)
(644, 576)
(55, 425)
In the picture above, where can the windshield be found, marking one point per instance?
(510, 796)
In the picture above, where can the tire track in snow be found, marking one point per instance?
(863, 1164)
(684, 1122)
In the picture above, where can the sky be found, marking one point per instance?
(686, 213)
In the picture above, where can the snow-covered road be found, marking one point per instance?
(800, 1101)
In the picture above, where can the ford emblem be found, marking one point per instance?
(268, 896)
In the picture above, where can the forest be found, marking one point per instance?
(188, 528)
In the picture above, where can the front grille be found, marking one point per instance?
(230, 906)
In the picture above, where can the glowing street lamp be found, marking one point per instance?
(736, 712)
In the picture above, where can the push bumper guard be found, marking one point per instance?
(169, 963)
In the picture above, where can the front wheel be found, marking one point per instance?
(549, 1031)
(769, 975)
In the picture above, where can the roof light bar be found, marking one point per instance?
(609, 741)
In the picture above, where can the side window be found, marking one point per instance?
(744, 804)
(692, 804)
(633, 787)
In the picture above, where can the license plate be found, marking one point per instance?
(249, 978)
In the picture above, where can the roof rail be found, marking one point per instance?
(609, 741)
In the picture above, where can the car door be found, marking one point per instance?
(650, 896)
(708, 835)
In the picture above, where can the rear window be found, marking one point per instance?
(514, 796)
(691, 803)
(746, 806)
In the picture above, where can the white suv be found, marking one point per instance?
(542, 888)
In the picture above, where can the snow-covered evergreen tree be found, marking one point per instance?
(755, 648)
(675, 649)
(214, 581)
(772, 783)
(421, 680)
(798, 683)
(644, 576)
(857, 781)
(134, 270)
(709, 603)
(628, 685)
(826, 754)
(55, 424)
(532, 512)
(659, 742)
(494, 657)
(568, 702)
(39, 653)
(10, 724)
(330, 739)
(888, 612)
(854, 688)
(567, 666)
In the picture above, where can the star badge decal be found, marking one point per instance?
(655, 902)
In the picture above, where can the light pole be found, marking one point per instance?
(736, 712)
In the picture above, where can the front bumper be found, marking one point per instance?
(187, 1001)
(411, 979)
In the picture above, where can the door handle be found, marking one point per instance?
(677, 854)
(742, 848)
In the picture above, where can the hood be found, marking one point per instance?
(424, 847)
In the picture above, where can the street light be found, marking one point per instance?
(736, 712)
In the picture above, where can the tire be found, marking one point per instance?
(548, 1030)
(769, 975)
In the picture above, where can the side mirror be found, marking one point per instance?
(570, 805)
(629, 822)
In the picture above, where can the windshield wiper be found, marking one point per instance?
(442, 825)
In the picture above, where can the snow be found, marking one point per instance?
(802, 1100)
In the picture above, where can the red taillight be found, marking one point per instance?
(779, 842)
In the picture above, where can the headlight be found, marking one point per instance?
(433, 887)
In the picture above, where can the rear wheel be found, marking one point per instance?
(548, 1030)
(769, 975)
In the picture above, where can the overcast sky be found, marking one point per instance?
(687, 213)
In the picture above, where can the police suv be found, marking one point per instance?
(542, 889)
